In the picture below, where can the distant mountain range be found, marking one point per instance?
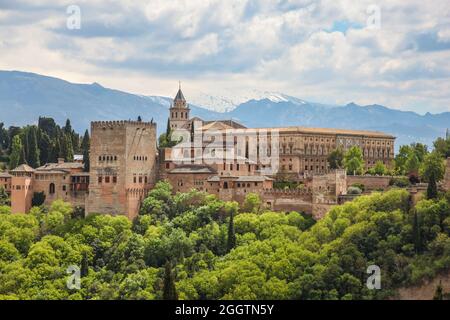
(26, 96)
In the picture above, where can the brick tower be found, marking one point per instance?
(179, 112)
(123, 164)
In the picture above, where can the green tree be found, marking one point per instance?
(442, 146)
(168, 129)
(38, 199)
(420, 150)
(336, 158)
(48, 126)
(85, 146)
(252, 203)
(353, 160)
(432, 190)
(379, 168)
(232, 209)
(66, 147)
(433, 167)
(4, 198)
(33, 150)
(412, 166)
(169, 289)
(417, 240)
(68, 128)
(16, 157)
(4, 138)
(45, 147)
(401, 158)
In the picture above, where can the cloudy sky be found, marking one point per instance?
(330, 51)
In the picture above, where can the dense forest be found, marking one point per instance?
(194, 246)
(41, 144)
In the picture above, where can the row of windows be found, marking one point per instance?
(107, 158)
(44, 177)
(140, 158)
(243, 185)
(140, 179)
(182, 115)
(19, 187)
(107, 179)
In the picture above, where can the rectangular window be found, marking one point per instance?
(107, 179)
(100, 179)
(140, 179)
(114, 179)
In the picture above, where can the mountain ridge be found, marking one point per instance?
(31, 95)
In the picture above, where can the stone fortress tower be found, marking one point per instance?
(123, 166)
(179, 112)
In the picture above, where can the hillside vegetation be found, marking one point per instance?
(188, 240)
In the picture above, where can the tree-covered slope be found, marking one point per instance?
(276, 255)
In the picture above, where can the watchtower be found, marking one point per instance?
(123, 166)
(179, 112)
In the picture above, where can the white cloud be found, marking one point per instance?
(319, 50)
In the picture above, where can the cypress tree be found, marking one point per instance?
(231, 241)
(169, 289)
(22, 158)
(45, 147)
(68, 128)
(168, 129)
(66, 150)
(33, 151)
(416, 234)
(69, 148)
(16, 152)
(85, 145)
(84, 265)
(432, 191)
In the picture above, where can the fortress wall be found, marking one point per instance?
(370, 182)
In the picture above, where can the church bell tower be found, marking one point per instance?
(179, 112)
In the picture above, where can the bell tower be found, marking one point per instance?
(179, 111)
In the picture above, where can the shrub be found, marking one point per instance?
(354, 190)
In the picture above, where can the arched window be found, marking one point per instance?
(51, 188)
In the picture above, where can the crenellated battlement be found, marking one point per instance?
(121, 124)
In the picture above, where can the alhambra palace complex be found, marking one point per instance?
(125, 163)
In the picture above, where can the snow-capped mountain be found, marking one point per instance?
(227, 101)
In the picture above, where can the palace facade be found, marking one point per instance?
(125, 163)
